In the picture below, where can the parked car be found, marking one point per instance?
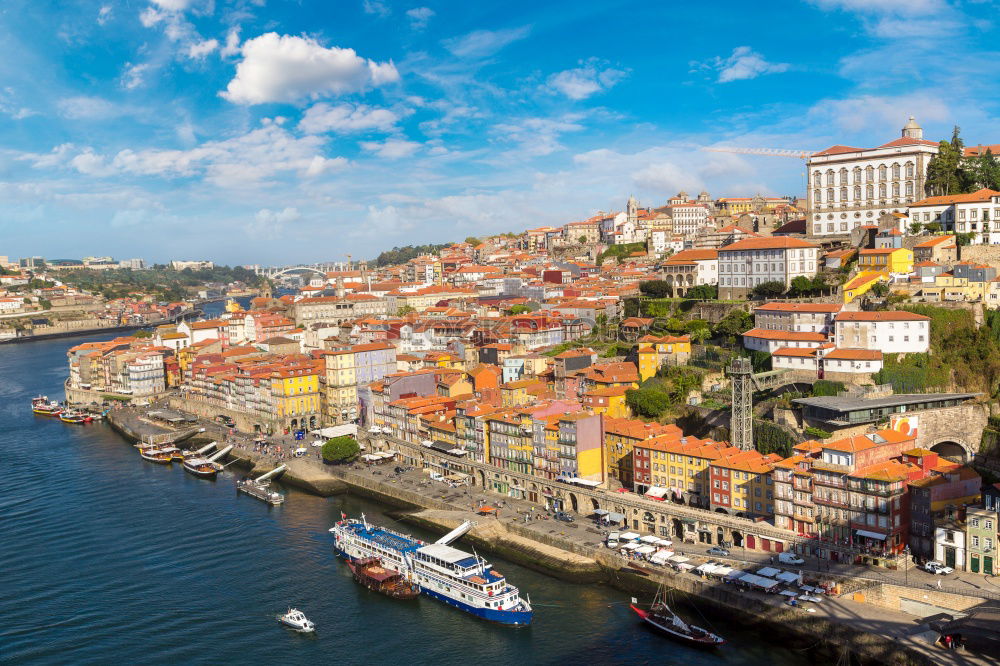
(938, 568)
(716, 550)
(790, 558)
(563, 516)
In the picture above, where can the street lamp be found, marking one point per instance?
(906, 565)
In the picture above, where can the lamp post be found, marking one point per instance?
(906, 565)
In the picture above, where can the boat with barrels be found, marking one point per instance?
(159, 456)
(373, 574)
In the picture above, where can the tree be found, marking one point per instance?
(964, 239)
(519, 309)
(735, 323)
(933, 227)
(944, 171)
(472, 240)
(656, 289)
(771, 289)
(340, 450)
(703, 291)
(801, 286)
(699, 331)
(984, 171)
(880, 289)
(647, 402)
(916, 228)
(405, 310)
(582, 240)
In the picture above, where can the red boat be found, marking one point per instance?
(371, 573)
(661, 618)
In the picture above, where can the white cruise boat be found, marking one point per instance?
(457, 578)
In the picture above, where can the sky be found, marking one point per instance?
(295, 131)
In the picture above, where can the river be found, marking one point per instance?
(108, 558)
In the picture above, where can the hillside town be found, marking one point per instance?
(737, 356)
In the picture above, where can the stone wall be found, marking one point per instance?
(896, 598)
(981, 254)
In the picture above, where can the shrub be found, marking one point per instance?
(818, 433)
(827, 387)
(340, 450)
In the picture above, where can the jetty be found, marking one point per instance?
(261, 486)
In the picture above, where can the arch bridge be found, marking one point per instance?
(320, 269)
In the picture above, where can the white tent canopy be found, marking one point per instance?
(646, 550)
(628, 536)
(656, 492)
(768, 572)
(649, 538)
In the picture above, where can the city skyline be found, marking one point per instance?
(253, 132)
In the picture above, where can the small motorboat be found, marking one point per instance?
(374, 575)
(297, 620)
(45, 407)
(662, 618)
(70, 416)
(159, 456)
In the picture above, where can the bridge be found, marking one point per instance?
(320, 269)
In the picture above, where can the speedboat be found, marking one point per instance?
(297, 620)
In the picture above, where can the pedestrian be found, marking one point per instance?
(939, 583)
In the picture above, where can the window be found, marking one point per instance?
(975, 541)
(989, 524)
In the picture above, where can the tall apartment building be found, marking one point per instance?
(747, 263)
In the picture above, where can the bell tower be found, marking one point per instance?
(911, 130)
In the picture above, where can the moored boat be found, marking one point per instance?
(374, 575)
(70, 416)
(160, 456)
(202, 467)
(42, 406)
(663, 619)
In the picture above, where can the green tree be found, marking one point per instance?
(703, 291)
(880, 289)
(933, 227)
(340, 450)
(944, 169)
(984, 171)
(519, 309)
(964, 239)
(771, 289)
(801, 286)
(582, 239)
(737, 322)
(405, 310)
(656, 289)
(472, 240)
(647, 402)
(916, 228)
(699, 331)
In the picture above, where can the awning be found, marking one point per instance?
(631, 545)
(616, 517)
(768, 572)
(629, 536)
(679, 558)
(443, 447)
(601, 512)
(646, 550)
(585, 482)
(870, 535)
(656, 492)
(649, 538)
(788, 577)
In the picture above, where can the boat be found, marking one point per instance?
(663, 619)
(42, 406)
(459, 579)
(202, 467)
(161, 456)
(297, 620)
(374, 575)
(70, 416)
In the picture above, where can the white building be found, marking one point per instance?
(689, 218)
(662, 241)
(888, 332)
(949, 545)
(975, 213)
(692, 267)
(856, 361)
(14, 304)
(753, 261)
(849, 186)
(145, 375)
(762, 339)
(801, 317)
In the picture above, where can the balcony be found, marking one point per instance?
(830, 502)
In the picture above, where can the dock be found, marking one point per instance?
(261, 487)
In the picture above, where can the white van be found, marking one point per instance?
(612, 540)
(790, 558)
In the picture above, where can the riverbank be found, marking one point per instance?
(96, 330)
(836, 626)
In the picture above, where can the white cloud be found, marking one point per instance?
(346, 118)
(902, 19)
(876, 114)
(537, 137)
(484, 43)
(419, 16)
(391, 149)
(90, 163)
(173, 5)
(151, 16)
(104, 14)
(284, 68)
(376, 7)
(270, 224)
(87, 108)
(744, 63)
(584, 81)
(198, 50)
(232, 46)
(134, 75)
(903, 7)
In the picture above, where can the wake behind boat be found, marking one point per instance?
(662, 618)
(459, 579)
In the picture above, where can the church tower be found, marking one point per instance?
(632, 209)
(911, 130)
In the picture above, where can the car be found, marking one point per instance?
(938, 568)
(790, 558)
(563, 516)
(716, 550)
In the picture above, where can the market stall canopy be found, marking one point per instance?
(616, 517)
(601, 512)
(628, 536)
(656, 492)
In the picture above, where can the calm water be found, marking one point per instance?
(108, 558)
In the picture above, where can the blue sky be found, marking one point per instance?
(276, 131)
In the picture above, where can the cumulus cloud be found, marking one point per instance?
(284, 68)
(104, 14)
(744, 63)
(584, 81)
(419, 16)
(198, 50)
(346, 118)
(903, 19)
(484, 43)
(173, 5)
(232, 45)
(391, 149)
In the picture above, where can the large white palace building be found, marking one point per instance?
(849, 187)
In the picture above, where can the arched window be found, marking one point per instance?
(882, 172)
(829, 195)
(829, 178)
(909, 169)
(817, 178)
(843, 194)
(857, 175)
(843, 176)
(818, 196)
(881, 191)
(857, 192)
(895, 171)
(869, 192)
(869, 174)
(895, 189)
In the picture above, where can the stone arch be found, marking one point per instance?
(721, 510)
(678, 527)
(574, 503)
(952, 448)
(737, 539)
(296, 269)
(482, 479)
(595, 503)
(720, 537)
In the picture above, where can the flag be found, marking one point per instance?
(634, 600)
(343, 516)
